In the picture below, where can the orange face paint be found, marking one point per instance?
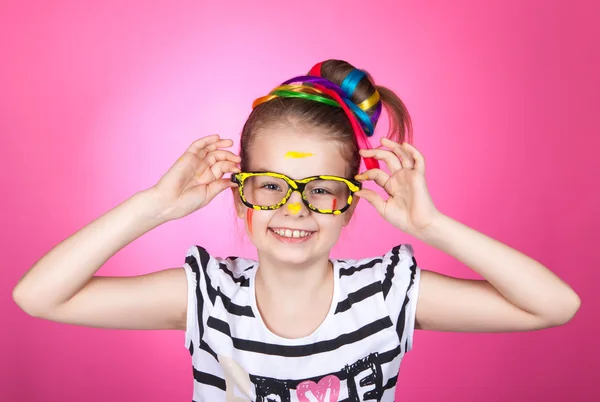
(249, 213)
(334, 204)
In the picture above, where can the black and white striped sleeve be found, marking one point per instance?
(400, 282)
(202, 276)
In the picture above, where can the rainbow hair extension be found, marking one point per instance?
(316, 88)
(348, 86)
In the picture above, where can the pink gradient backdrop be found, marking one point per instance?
(97, 101)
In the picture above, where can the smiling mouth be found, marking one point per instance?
(291, 233)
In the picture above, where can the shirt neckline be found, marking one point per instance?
(296, 341)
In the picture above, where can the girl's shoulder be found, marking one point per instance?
(398, 255)
(239, 269)
(394, 269)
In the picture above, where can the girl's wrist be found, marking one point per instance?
(430, 234)
(154, 206)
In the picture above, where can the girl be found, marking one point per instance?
(296, 325)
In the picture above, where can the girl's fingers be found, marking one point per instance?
(224, 143)
(222, 167)
(215, 188)
(405, 157)
(379, 176)
(390, 159)
(197, 145)
(216, 156)
(373, 198)
(212, 166)
(417, 156)
(221, 155)
(205, 145)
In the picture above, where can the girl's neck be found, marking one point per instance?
(294, 300)
(278, 278)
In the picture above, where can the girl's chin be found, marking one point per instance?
(290, 254)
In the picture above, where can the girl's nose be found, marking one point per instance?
(295, 206)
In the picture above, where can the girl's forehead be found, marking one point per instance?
(296, 154)
(286, 135)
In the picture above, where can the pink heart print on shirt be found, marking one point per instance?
(319, 391)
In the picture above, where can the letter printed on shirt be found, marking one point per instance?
(327, 390)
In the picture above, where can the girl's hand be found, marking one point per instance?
(197, 177)
(409, 206)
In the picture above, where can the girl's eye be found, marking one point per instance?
(270, 186)
(320, 191)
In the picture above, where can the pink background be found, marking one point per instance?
(97, 101)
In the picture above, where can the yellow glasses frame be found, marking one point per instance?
(295, 185)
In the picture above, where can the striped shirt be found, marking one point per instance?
(354, 355)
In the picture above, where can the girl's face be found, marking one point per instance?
(296, 154)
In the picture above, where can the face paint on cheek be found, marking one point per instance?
(293, 154)
(249, 213)
(334, 204)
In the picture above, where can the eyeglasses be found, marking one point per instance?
(322, 194)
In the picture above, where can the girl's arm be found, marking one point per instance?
(518, 293)
(61, 286)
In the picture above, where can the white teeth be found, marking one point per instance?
(291, 233)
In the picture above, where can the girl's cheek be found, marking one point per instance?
(249, 213)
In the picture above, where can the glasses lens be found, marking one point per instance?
(327, 194)
(264, 191)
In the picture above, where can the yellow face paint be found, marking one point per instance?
(294, 207)
(293, 154)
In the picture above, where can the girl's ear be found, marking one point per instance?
(350, 211)
(240, 208)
